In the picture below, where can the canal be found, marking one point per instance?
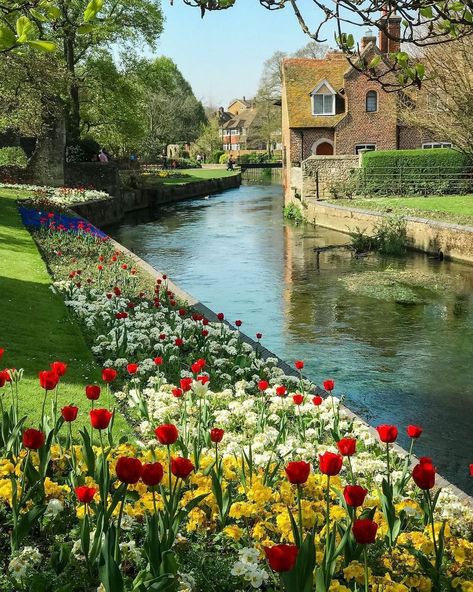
(395, 362)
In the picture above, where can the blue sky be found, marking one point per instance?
(222, 54)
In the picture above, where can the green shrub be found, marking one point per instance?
(215, 156)
(292, 212)
(389, 237)
(414, 172)
(223, 158)
(13, 156)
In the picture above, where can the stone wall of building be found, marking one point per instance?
(321, 173)
(104, 177)
(46, 166)
(302, 141)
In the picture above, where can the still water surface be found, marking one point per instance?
(395, 363)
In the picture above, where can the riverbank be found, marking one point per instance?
(155, 193)
(36, 327)
(442, 239)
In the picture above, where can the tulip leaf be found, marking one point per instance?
(109, 570)
(27, 522)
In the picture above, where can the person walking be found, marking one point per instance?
(103, 158)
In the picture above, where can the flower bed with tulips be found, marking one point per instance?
(240, 478)
(63, 196)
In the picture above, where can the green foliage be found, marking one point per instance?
(13, 156)
(292, 212)
(86, 150)
(223, 158)
(389, 238)
(215, 156)
(414, 172)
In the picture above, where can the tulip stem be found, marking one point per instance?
(388, 464)
(119, 524)
(327, 518)
(43, 407)
(299, 508)
(73, 463)
(432, 523)
(169, 469)
(365, 556)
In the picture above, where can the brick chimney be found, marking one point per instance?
(367, 38)
(391, 24)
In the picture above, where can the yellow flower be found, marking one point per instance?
(6, 467)
(355, 571)
(233, 531)
(52, 489)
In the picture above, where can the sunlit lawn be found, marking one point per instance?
(189, 176)
(449, 208)
(35, 325)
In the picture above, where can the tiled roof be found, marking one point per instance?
(243, 119)
(301, 76)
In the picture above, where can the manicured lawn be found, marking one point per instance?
(35, 326)
(449, 208)
(189, 176)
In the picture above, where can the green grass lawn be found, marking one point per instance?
(457, 209)
(35, 325)
(189, 176)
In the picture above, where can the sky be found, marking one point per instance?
(222, 54)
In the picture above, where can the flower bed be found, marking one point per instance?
(65, 196)
(240, 478)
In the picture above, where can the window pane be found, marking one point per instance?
(318, 104)
(371, 101)
(328, 103)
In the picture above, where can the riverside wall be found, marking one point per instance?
(104, 212)
(450, 241)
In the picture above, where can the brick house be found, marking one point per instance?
(238, 128)
(329, 108)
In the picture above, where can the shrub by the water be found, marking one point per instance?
(292, 212)
(389, 238)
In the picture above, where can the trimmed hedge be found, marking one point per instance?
(13, 156)
(415, 172)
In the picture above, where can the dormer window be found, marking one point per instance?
(323, 99)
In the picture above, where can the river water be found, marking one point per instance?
(395, 363)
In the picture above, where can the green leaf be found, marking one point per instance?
(23, 28)
(109, 570)
(420, 69)
(375, 61)
(86, 28)
(26, 523)
(42, 45)
(7, 38)
(426, 12)
(93, 8)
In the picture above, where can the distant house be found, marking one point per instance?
(330, 108)
(239, 128)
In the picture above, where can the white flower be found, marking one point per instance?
(53, 508)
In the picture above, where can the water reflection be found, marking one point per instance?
(396, 363)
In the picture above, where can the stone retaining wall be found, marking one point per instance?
(104, 212)
(451, 241)
(321, 173)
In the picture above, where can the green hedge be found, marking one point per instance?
(415, 172)
(13, 156)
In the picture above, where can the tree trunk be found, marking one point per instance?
(73, 109)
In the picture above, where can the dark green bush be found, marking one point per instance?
(13, 156)
(415, 172)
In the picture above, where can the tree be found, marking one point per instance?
(421, 23)
(444, 107)
(209, 140)
(313, 49)
(121, 22)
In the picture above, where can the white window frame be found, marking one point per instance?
(428, 145)
(366, 101)
(331, 94)
(360, 147)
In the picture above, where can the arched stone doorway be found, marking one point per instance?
(322, 148)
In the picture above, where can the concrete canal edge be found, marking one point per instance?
(451, 241)
(104, 212)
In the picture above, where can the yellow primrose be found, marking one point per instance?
(355, 571)
(233, 532)
(52, 489)
(6, 467)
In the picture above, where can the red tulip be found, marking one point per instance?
(203, 379)
(2, 351)
(177, 392)
(158, 361)
(330, 463)
(85, 494)
(298, 399)
(281, 558)
(48, 379)
(298, 472)
(471, 470)
(186, 384)
(69, 413)
(299, 364)
(167, 433)
(364, 531)
(92, 392)
(128, 470)
(263, 385)
(181, 467)
(6, 375)
(216, 435)
(347, 446)
(198, 366)
(413, 431)
(100, 418)
(132, 368)
(317, 400)
(329, 385)
(220, 316)
(109, 374)
(238, 323)
(33, 439)
(60, 368)
(179, 342)
(387, 433)
(259, 335)
(424, 475)
(354, 495)
(281, 391)
(152, 474)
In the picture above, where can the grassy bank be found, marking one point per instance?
(457, 209)
(187, 176)
(35, 326)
